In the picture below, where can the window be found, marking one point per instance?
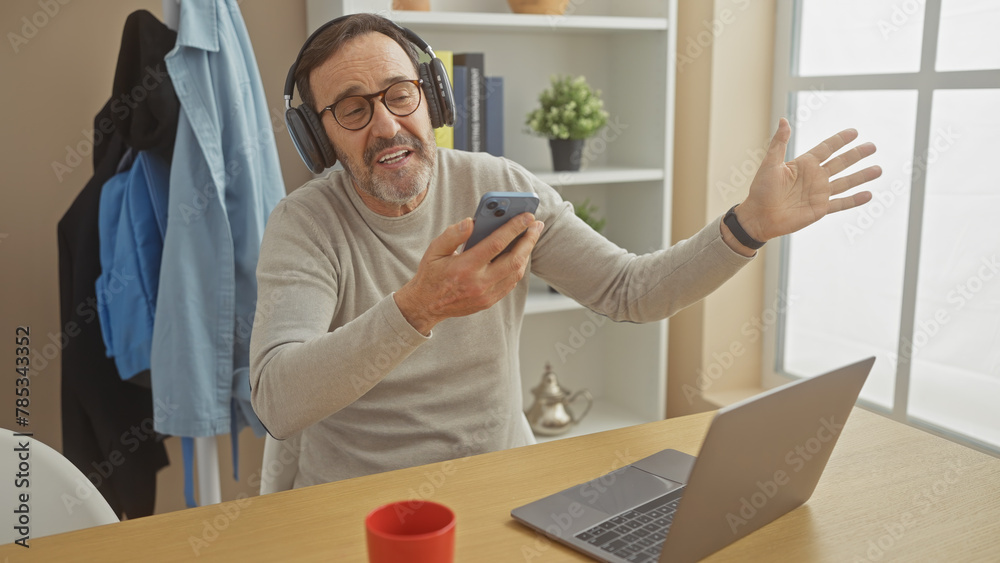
(913, 277)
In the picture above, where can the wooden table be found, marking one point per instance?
(889, 493)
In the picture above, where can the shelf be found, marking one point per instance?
(603, 416)
(549, 302)
(487, 21)
(600, 175)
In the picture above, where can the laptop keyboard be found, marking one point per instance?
(637, 534)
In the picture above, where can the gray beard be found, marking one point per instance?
(396, 187)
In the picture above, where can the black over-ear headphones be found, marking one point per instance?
(306, 128)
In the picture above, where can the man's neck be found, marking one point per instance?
(389, 209)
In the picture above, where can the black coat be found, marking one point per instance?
(108, 423)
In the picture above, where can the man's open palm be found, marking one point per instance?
(787, 196)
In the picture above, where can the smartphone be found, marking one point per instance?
(495, 209)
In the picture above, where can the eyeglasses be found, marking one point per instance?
(355, 112)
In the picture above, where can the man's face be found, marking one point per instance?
(391, 158)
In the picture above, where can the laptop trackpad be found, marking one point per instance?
(620, 490)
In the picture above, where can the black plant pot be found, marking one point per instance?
(566, 154)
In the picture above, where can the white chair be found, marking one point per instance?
(280, 464)
(59, 497)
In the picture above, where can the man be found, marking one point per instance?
(389, 348)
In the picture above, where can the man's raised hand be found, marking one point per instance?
(787, 196)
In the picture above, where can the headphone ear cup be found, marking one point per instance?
(319, 133)
(430, 94)
(443, 90)
(309, 138)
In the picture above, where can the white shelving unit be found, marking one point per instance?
(601, 175)
(543, 301)
(625, 48)
(438, 20)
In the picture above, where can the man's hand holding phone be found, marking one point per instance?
(452, 284)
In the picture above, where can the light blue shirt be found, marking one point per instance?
(224, 181)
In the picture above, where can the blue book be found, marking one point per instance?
(475, 122)
(460, 84)
(494, 115)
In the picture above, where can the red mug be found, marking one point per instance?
(414, 531)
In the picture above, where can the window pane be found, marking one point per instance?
(968, 38)
(955, 377)
(845, 273)
(859, 36)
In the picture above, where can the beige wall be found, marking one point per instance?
(53, 86)
(725, 58)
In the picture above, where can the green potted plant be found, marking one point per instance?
(570, 111)
(586, 211)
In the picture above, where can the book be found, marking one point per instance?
(494, 115)
(476, 98)
(459, 84)
(445, 136)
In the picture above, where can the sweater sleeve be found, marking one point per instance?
(584, 265)
(301, 371)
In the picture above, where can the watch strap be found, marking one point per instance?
(741, 235)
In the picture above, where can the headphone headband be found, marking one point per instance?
(290, 79)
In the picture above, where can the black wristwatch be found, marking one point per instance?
(734, 226)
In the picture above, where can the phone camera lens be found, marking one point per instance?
(492, 205)
(499, 213)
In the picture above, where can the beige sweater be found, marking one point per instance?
(331, 354)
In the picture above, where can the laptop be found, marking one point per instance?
(762, 458)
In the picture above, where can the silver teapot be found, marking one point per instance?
(550, 414)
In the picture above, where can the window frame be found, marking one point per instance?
(925, 81)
